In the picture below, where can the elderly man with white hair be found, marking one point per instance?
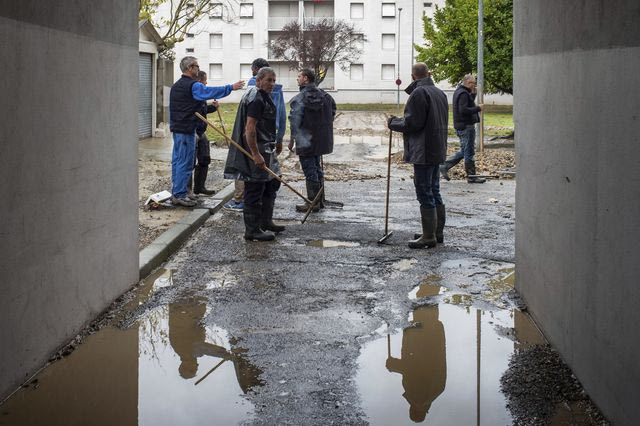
(185, 99)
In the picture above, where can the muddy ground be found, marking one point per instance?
(358, 134)
(324, 325)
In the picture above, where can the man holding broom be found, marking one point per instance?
(424, 130)
(255, 131)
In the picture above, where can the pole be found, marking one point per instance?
(478, 346)
(480, 79)
(413, 32)
(398, 37)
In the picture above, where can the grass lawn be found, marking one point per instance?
(498, 119)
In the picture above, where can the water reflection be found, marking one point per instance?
(422, 362)
(448, 369)
(168, 367)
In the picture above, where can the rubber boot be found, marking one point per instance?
(446, 166)
(199, 179)
(470, 168)
(266, 219)
(252, 230)
(442, 218)
(312, 191)
(428, 238)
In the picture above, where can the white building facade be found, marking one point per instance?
(226, 44)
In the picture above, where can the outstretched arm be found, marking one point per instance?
(200, 92)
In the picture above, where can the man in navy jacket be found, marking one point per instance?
(185, 99)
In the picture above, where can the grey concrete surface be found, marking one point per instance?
(578, 196)
(68, 163)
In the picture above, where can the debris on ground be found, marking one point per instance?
(538, 385)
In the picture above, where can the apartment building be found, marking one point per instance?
(226, 42)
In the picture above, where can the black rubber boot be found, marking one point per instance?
(442, 219)
(428, 238)
(266, 219)
(446, 166)
(199, 179)
(470, 168)
(312, 191)
(252, 230)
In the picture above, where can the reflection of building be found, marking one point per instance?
(227, 41)
(423, 363)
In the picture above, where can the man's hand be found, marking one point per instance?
(291, 146)
(389, 120)
(214, 103)
(237, 85)
(278, 148)
(481, 106)
(259, 160)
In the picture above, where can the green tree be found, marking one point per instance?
(451, 41)
(181, 17)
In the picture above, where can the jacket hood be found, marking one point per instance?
(427, 81)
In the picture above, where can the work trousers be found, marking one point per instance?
(426, 179)
(312, 167)
(184, 147)
(255, 192)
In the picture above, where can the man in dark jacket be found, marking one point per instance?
(424, 130)
(465, 116)
(185, 99)
(255, 130)
(203, 149)
(311, 122)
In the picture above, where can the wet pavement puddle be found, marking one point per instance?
(446, 367)
(332, 243)
(168, 368)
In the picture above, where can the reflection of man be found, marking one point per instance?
(188, 339)
(423, 362)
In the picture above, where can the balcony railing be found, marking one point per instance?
(278, 22)
(315, 20)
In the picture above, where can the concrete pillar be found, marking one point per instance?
(68, 167)
(577, 113)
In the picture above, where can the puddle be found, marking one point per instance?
(167, 367)
(445, 369)
(363, 147)
(332, 243)
(428, 287)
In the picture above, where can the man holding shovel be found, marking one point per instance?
(255, 131)
(424, 130)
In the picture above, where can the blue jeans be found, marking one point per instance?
(312, 168)
(182, 158)
(426, 179)
(467, 145)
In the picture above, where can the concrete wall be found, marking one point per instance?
(68, 167)
(578, 195)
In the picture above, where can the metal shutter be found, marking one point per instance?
(145, 92)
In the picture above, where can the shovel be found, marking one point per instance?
(387, 234)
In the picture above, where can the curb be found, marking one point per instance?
(172, 239)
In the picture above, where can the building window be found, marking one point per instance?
(216, 11)
(357, 72)
(388, 10)
(388, 41)
(428, 4)
(246, 10)
(215, 41)
(189, 49)
(357, 10)
(246, 41)
(190, 35)
(245, 71)
(388, 71)
(215, 72)
(357, 41)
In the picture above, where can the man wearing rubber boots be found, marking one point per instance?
(255, 130)
(465, 116)
(424, 130)
(311, 123)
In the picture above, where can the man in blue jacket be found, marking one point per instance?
(185, 99)
(237, 202)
